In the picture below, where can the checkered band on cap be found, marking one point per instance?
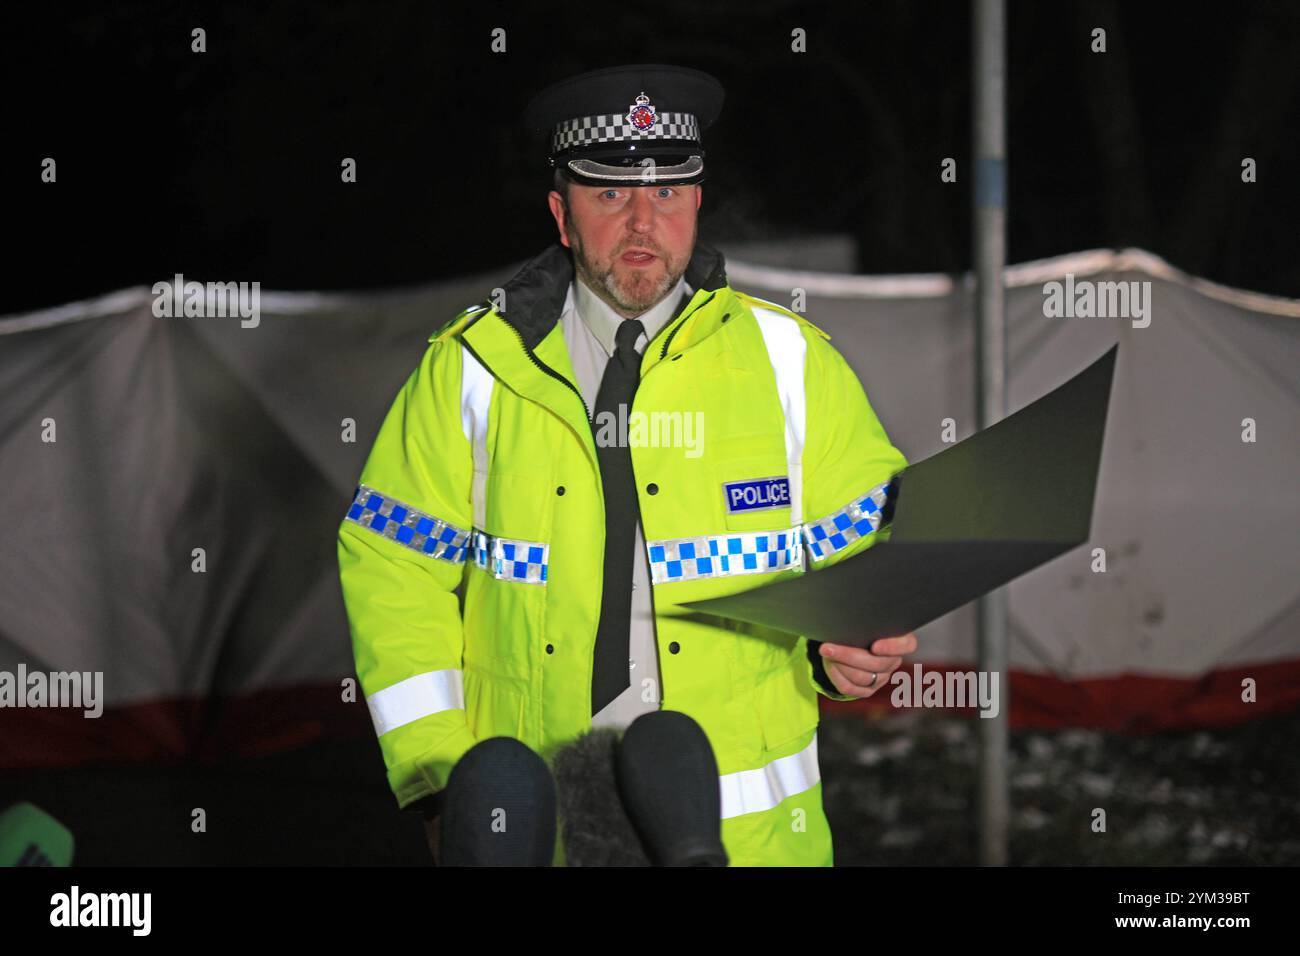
(414, 529)
(510, 560)
(711, 556)
(614, 127)
(859, 518)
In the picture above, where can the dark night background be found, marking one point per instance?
(225, 165)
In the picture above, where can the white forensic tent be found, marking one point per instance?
(174, 434)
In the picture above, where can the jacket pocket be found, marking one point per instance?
(493, 707)
(503, 624)
(752, 487)
(787, 708)
(519, 506)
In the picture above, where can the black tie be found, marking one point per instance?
(609, 675)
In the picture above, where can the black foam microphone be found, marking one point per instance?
(668, 779)
(596, 829)
(498, 807)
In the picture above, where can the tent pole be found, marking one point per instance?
(988, 38)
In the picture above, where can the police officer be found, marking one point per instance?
(618, 432)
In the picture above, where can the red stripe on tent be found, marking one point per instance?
(1127, 703)
(176, 730)
(270, 721)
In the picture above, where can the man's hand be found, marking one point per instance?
(851, 668)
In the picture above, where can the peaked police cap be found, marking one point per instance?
(628, 125)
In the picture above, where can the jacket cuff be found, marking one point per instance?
(419, 778)
(821, 680)
(429, 807)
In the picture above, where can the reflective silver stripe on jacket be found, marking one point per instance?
(398, 521)
(752, 791)
(786, 349)
(416, 697)
(507, 559)
(859, 518)
(475, 403)
(711, 556)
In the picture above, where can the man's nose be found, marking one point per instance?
(641, 211)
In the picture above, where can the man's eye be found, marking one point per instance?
(665, 189)
(609, 192)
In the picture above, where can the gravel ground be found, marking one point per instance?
(900, 790)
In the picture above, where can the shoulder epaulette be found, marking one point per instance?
(460, 322)
(754, 301)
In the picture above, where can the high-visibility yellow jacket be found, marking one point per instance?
(485, 470)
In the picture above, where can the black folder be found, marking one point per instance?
(961, 523)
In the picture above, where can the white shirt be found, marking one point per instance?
(589, 326)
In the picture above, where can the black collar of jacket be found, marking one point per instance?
(536, 294)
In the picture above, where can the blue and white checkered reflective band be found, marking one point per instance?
(614, 127)
(711, 556)
(401, 523)
(859, 518)
(510, 560)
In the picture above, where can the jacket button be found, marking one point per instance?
(560, 490)
(674, 647)
(652, 488)
(725, 316)
(550, 648)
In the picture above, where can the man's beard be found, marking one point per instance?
(636, 296)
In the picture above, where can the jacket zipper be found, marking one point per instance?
(550, 371)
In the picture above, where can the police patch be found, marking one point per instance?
(758, 494)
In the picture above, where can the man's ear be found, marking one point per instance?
(699, 195)
(560, 214)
